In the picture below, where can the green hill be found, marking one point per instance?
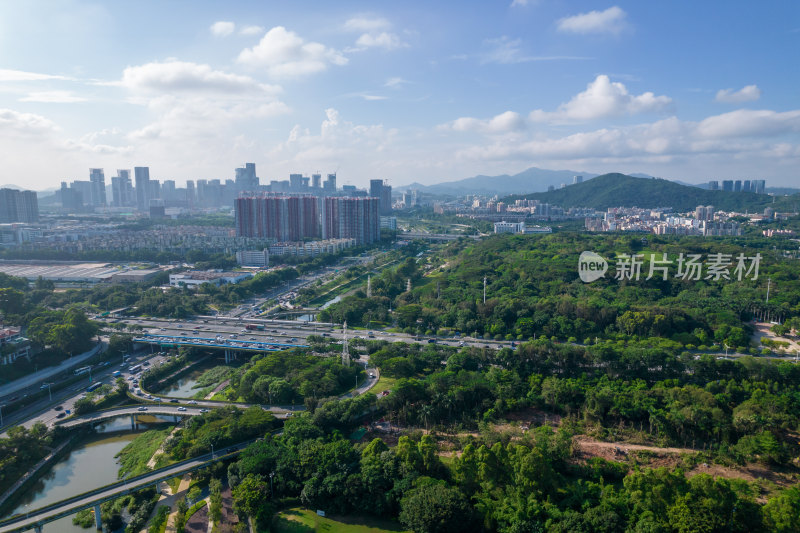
(620, 190)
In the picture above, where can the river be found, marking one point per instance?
(89, 465)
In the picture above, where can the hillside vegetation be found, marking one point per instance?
(620, 190)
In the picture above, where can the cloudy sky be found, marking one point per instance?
(406, 91)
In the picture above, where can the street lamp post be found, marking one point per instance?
(212, 451)
(50, 390)
(271, 489)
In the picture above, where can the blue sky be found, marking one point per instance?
(405, 91)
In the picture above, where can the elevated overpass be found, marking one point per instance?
(37, 518)
(434, 236)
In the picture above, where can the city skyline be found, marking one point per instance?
(410, 93)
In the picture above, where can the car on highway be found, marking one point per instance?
(143, 408)
(60, 415)
(192, 402)
(181, 408)
(203, 410)
(372, 374)
(174, 400)
(58, 407)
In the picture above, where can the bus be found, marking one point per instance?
(116, 373)
(259, 327)
(94, 386)
(134, 369)
(82, 370)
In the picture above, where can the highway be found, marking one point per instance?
(39, 517)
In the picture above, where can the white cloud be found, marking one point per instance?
(749, 93)
(612, 21)
(53, 97)
(338, 140)
(737, 136)
(182, 76)
(522, 3)
(506, 51)
(395, 82)
(251, 30)
(503, 123)
(603, 98)
(285, 54)
(385, 40)
(222, 28)
(21, 75)
(750, 123)
(14, 123)
(366, 24)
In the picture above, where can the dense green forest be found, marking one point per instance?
(451, 478)
(533, 289)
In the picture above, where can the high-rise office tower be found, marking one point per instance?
(18, 206)
(285, 218)
(98, 191)
(191, 193)
(713, 185)
(330, 183)
(577, 179)
(316, 181)
(122, 189)
(296, 182)
(382, 191)
(142, 179)
(746, 186)
(758, 186)
(737, 186)
(351, 218)
(246, 179)
(727, 185)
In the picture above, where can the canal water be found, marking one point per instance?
(184, 387)
(89, 465)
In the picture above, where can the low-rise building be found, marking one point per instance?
(194, 278)
(12, 345)
(509, 227)
(253, 258)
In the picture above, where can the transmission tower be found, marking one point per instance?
(345, 347)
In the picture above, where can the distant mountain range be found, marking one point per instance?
(620, 190)
(530, 180)
(39, 194)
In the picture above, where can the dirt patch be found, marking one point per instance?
(533, 417)
(198, 523)
(633, 454)
(752, 473)
(229, 518)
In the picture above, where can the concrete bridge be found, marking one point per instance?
(37, 519)
(133, 412)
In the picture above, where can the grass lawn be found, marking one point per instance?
(298, 520)
(133, 458)
(383, 384)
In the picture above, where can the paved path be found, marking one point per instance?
(183, 488)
